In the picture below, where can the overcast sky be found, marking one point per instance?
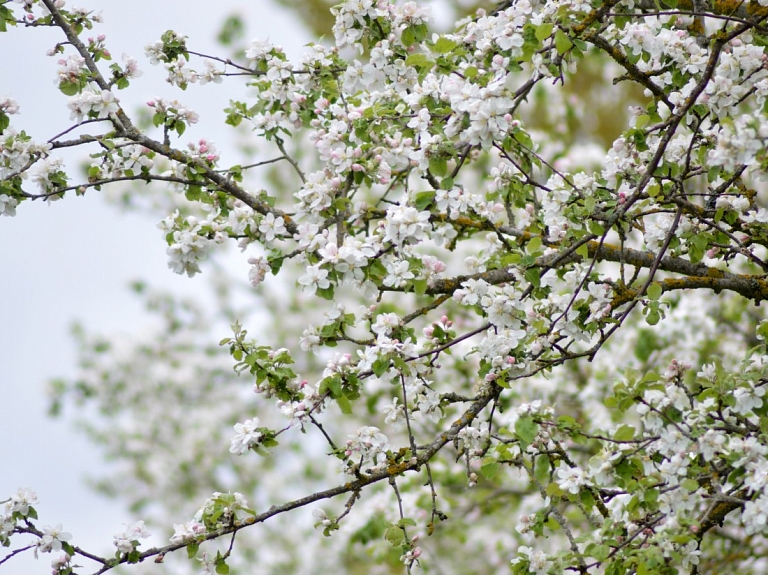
(73, 260)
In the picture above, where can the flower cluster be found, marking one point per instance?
(495, 285)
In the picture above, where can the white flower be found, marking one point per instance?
(21, 502)
(131, 69)
(385, 323)
(187, 249)
(127, 541)
(52, 539)
(316, 277)
(322, 517)
(246, 436)
(405, 224)
(393, 411)
(755, 516)
(473, 440)
(271, 227)
(398, 274)
(690, 552)
(186, 531)
(712, 444)
(258, 271)
(571, 479)
(9, 105)
(537, 560)
(748, 399)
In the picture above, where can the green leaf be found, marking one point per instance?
(380, 366)
(490, 469)
(653, 317)
(438, 166)
(443, 45)
(5, 16)
(533, 275)
(690, 484)
(599, 552)
(544, 31)
(624, 433)
(325, 293)
(424, 199)
(534, 245)
(334, 384)
(192, 550)
(419, 60)
(420, 287)
(562, 42)
(541, 469)
(553, 490)
(69, 88)
(654, 291)
(408, 37)
(394, 535)
(595, 228)
(406, 522)
(344, 404)
(5, 121)
(526, 429)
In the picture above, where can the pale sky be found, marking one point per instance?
(73, 260)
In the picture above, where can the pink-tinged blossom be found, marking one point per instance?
(258, 271)
(61, 562)
(9, 106)
(186, 531)
(174, 109)
(127, 541)
(71, 70)
(131, 67)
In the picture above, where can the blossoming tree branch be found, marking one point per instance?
(506, 345)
